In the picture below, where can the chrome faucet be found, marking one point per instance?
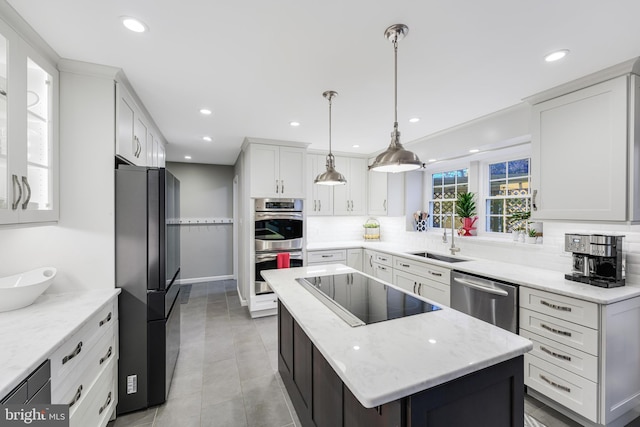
(453, 249)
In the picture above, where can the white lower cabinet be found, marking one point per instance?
(584, 357)
(355, 258)
(422, 278)
(335, 256)
(83, 370)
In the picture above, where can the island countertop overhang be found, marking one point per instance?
(389, 360)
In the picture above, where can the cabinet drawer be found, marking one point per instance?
(95, 360)
(68, 357)
(95, 408)
(567, 333)
(430, 271)
(573, 310)
(383, 259)
(576, 361)
(573, 391)
(325, 257)
(427, 288)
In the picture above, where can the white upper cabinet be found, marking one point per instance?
(582, 160)
(277, 171)
(319, 197)
(377, 193)
(28, 133)
(350, 199)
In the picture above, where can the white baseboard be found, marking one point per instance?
(204, 279)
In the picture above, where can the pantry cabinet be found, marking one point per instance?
(277, 171)
(584, 151)
(350, 199)
(319, 197)
(28, 132)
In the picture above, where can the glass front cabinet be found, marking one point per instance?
(28, 133)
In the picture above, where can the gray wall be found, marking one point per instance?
(206, 191)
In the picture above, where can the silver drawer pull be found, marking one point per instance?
(327, 256)
(106, 356)
(555, 307)
(555, 331)
(435, 274)
(556, 355)
(382, 259)
(77, 396)
(75, 352)
(382, 268)
(106, 404)
(105, 320)
(554, 384)
(404, 265)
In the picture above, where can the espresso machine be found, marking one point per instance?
(597, 259)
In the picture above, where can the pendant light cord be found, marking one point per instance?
(395, 83)
(330, 97)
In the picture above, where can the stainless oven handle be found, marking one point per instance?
(279, 215)
(480, 287)
(272, 256)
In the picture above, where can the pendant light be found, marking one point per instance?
(331, 176)
(396, 158)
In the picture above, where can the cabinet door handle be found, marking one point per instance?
(103, 407)
(16, 184)
(533, 200)
(277, 187)
(25, 184)
(419, 288)
(554, 384)
(319, 205)
(555, 307)
(282, 186)
(371, 261)
(315, 205)
(105, 320)
(556, 355)
(555, 331)
(384, 204)
(73, 354)
(414, 287)
(76, 397)
(106, 356)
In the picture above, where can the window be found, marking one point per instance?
(508, 194)
(446, 187)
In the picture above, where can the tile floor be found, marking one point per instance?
(226, 373)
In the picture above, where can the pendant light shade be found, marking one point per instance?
(331, 176)
(396, 158)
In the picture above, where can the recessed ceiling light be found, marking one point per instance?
(205, 111)
(134, 24)
(294, 124)
(207, 138)
(187, 157)
(558, 54)
(355, 146)
(414, 119)
(475, 150)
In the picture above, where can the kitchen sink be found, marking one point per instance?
(438, 257)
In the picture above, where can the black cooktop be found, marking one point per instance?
(362, 300)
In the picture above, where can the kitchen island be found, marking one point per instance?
(435, 368)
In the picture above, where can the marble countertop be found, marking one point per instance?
(385, 361)
(31, 334)
(537, 278)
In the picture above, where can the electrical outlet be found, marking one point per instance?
(132, 384)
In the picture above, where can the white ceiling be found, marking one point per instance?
(261, 64)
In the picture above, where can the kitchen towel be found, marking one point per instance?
(282, 260)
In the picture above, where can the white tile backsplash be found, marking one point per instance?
(548, 255)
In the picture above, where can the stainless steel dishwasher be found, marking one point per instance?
(490, 300)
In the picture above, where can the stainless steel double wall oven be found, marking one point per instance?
(279, 228)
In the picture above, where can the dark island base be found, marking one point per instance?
(491, 397)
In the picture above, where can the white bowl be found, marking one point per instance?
(21, 290)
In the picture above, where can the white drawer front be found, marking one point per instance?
(326, 257)
(576, 393)
(98, 404)
(88, 369)
(424, 269)
(435, 291)
(570, 334)
(69, 355)
(573, 310)
(578, 362)
(383, 259)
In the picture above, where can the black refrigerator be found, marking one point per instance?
(147, 270)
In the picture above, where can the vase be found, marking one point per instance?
(467, 225)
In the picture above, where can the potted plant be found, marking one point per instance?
(466, 209)
(518, 222)
(533, 236)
